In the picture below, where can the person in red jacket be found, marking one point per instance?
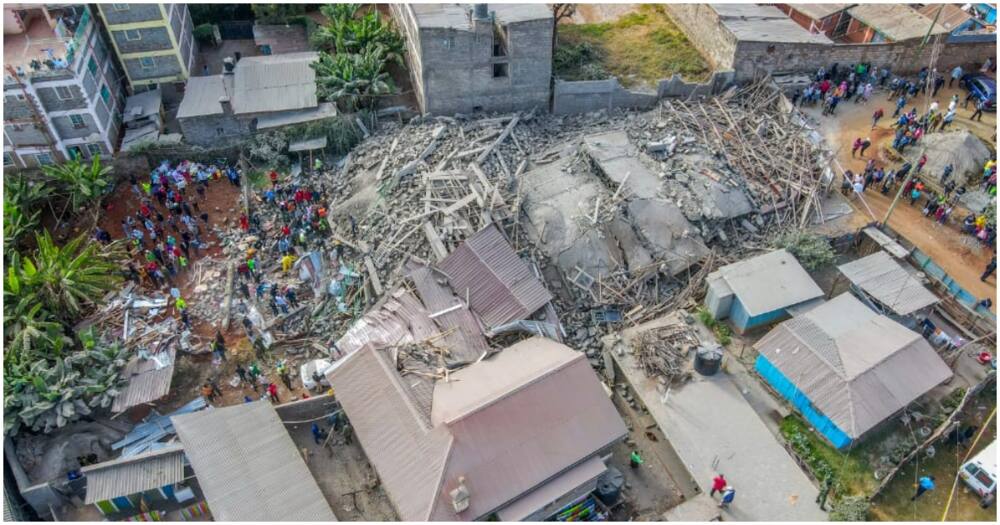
(274, 178)
(718, 484)
(244, 223)
(272, 392)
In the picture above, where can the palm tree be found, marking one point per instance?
(82, 183)
(62, 279)
(353, 80)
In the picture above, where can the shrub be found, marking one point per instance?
(850, 508)
(813, 251)
(204, 34)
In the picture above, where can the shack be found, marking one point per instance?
(758, 291)
(143, 487)
(887, 286)
(847, 369)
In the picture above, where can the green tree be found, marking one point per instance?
(276, 13)
(353, 80)
(82, 183)
(21, 202)
(61, 279)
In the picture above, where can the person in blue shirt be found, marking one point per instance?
(925, 484)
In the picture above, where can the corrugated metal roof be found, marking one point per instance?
(951, 17)
(126, 476)
(465, 341)
(248, 466)
(287, 118)
(857, 367)
(515, 423)
(407, 453)
(148, 379)
(897, 22)
(770, 282)
(820, 11)
(142, 105)
(201, 97)
(881, 277)
(500, 285)
(553, 490)
(275, 83)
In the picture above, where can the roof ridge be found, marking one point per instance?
(839, 370)
(544, 373)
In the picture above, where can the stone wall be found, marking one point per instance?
(583, 96)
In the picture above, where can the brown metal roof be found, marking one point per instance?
(501, 287)
(508, 425)
(897, 22)
(951, 17)
(465, 339)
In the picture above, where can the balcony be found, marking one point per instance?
(48, 46)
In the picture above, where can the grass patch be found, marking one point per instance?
(849, 473)
(639, 48)
(721, 330)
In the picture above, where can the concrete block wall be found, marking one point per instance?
(150, 39)
(130, 13)
(584, 96)
(703, 28)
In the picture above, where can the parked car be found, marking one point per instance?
(984, 88)
(980, 472)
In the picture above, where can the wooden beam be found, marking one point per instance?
(437, 246)
(373, 275)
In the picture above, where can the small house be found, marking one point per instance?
(888, 23)
(847, 369)
(887, 286)
(828, 19)
(760, 290)
(142, 487)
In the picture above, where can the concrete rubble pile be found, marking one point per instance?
(618, 212)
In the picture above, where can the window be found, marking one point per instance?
(75, 152)
(147, 62)
(44, 159)
(77, 121)
(449, 43)
(19, 97)
(132, 34)
(106, 95)
(499, 70)
(8, 159)
(64, 93)
(92, 66)
(94, 149)
(120, 7)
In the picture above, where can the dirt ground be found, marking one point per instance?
(961, 256)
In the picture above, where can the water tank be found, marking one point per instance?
(708, 360)
(609, 486)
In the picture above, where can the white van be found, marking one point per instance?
(980, 472)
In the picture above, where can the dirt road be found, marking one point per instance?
(959, 255)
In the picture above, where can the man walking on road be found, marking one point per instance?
(718, 484)
(990, 268)
(925, 484)
(956, 74)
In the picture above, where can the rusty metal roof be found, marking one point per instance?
(499, 284)
(508, 425)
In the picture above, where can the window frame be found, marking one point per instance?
(142, 63)
(92, 146)
(105, 95)
(68, 91)
(8, 159)
(138, 35)
(120, 7)
(39, 156)
(81, 125)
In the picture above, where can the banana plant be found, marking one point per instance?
(353, 80)
(81, 183)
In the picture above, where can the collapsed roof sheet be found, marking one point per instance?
(857, 367)
(148, 379)
(498, 283)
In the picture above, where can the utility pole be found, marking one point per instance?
(935, 51)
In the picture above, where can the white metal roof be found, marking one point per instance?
(275, 83)
(857, 367)
(881, 277)
(142, 105)
(770, 282)
(201, 97)
(135, 474)
(248, 466)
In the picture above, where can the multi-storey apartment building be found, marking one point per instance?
(63, 94)
(154, 42)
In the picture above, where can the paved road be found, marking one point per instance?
(714, 429)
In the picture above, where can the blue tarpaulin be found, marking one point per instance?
(789, 391)
(154, 428)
